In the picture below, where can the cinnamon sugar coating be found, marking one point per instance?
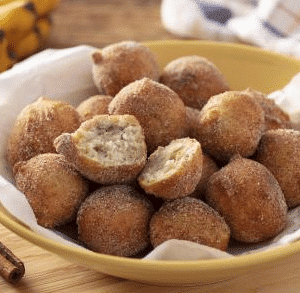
(119, 64)
(192, 122)
(173, 171)
(36, 127)
(115, 220)
(195, 79)
(189, 219)
(208, 169)
(249, 198)
(53, 188)
(279, 151)
(275, 117)
(158, 109)
(107, 149)
(92, 106)
(231, 123)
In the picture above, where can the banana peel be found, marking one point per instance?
(6, 61)
(25, 26)
(42, 6)
(26, 43)
(45, 6)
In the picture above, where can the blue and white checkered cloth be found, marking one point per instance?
(270, 24)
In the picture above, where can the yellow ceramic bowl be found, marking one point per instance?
(244, 67)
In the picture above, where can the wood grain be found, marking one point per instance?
(99, 23)
(47, 273)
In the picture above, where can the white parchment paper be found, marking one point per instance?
(66, 75)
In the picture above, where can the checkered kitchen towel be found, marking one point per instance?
(271, 24)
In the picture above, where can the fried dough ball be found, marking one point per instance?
(115, 220)
(295, 120)
(209, 168)
(279, 151)
(195, 79)
(192, 122)
(107, 149)
(159, 110)
(275, 117)
(119, 64)
(173, 171)
(189, 219)
(231, 123)
(249, 198)
(95, 105)
(53, 188)
(36, 127)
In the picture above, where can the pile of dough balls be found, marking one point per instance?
(157, 156)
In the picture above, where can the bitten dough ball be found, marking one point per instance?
(230, 123)
(115, 220)
(36, 127)
(107, 149)
(195, 79)
(159, 110)
(249, 198)
(189, 219)
(53, 188)
(279, 151)
(117, 65)
(95, 105)
(173, 171)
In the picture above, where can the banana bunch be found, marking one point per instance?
(24, 27)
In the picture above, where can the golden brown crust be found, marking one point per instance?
(275, 117)
(249, 198)
(107, 149)
(53, 188)
(36, 127)
(115, 220)
(189, 219)
(95, 105)
(192, 122)
(209, 168)
(159, 110)
(173, 171)
(279, 151)
(231, 123)
(195, 79)
(119, 64)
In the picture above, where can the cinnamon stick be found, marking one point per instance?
(12, 268)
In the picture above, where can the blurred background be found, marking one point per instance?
(102, 22)
(28, 26)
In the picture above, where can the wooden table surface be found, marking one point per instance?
(100, 23)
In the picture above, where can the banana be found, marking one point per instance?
(43, 26)
(42, 6)
(27, 46)
(2, 2)
(24, 27)
(5, 60)
(45, 6)
(15, 36)
(23, 44)
(17, 16)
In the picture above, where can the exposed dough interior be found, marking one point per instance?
(113, 144)
(168, 160)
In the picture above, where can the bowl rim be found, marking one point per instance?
(222, 44)
(240, 261)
